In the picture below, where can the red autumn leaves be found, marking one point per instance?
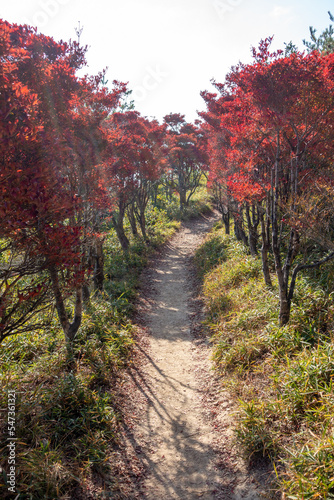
(270, 132)
(70, 159)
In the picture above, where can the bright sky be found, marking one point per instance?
(169, 50)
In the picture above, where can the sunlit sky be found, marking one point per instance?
(169, 50)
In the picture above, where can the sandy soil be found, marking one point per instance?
(178, 437)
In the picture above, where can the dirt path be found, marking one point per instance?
(181, 438)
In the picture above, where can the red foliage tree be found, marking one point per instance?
(186, 156)
(48, 115)
(132, 162)
(282, 109)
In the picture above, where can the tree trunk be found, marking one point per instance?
(284, 308)
(85, 293)
(252, 231)
(183, 198)
(122, 238)
(154, 193)
(265, 250)
(132, 220)
(142, 222)
(75, 325)
(239, 232)
(252, 241)
(69, 329)
(182, 189)
(226, 220)
(284, 302)
(119, 228)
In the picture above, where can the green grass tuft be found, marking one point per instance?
(283, 377)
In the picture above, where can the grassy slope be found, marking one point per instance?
(283, 377)
(67, 413)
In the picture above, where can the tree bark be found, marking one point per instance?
(265, 249)
(239, 231)
(142, 222)
(183, 199)
(284, 308)
(70, 329)
(284, 302)
(122, 238)
(142, 199)
(226, 220)
(252, 231)
(118, 223)
(85, 294)
(132, 220)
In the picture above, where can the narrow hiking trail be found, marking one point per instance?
(183, 437)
